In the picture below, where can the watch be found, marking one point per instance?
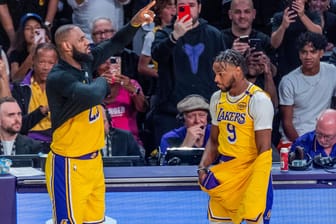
(202, 169)
(136, 92)
(47, 24)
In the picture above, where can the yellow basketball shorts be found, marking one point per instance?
(242, 190)
(76, 188)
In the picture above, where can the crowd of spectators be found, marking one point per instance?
(289, 48)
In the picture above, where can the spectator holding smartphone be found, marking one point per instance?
(260, 73)
(21, 58)
(242, 37)
(11, 13)
(256, 46)
(286, 27)
(328, 20)
(126, 99)
(238, 36)
(184, 52)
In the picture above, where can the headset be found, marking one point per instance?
(326, 162)
(297, 159)
(323, 162)
(180, 118)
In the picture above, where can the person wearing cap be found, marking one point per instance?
(12, 11)
(21, 58)
(194, 111)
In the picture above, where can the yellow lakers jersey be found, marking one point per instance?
(236, 128)
(81, 134)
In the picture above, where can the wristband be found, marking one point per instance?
(136, 25)
(172, 38)
(136, 92)
(205, 169)
(48, 24)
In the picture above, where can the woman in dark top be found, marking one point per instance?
(20, 58)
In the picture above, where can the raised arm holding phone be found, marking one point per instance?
(184, 53)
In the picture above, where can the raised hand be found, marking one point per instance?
(144, 15)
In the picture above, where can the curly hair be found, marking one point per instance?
(232, 57)
(318, 41)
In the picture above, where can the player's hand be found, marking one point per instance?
(201, 177)
(144, 15)
(44, 109)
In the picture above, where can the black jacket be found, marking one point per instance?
(68, 95)
(25, 145)
(22, 93)
(123, 143)
(185, 67)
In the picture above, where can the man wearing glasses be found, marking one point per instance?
(102, 29)
(321, 141)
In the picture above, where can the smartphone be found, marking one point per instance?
(115, 66)
(115, 60)
(256, 44)
(39, 35)
(0, 52)
(183, 9)
(244, 39)
(290, 5)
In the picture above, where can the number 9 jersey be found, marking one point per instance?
(238, 118)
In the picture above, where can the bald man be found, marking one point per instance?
(74, 168)
(321, 141)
